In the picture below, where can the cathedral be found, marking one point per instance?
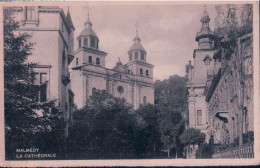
(132, 81)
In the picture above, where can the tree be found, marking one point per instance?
(192, 136)
(171, 101)
(25, 119)
(150, 133)
(104, 128)
(171, 127)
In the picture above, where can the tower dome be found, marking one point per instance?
(88, 31)
(87, 37)
(137, 51)
(205, 36)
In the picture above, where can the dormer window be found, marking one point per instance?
(142, 55)
(136, 55)
(85, 41)
(90, 59)
(147, 73)
(141, 71)
(98, 61)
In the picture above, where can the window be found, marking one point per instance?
(93, 91)
(144, 100)
(120, 89)
(31, 13)
(142, 55)
(97, 61)
(141, 71)
(207, 62)
(129, 71)
(85, 41)
(130, 56)
(136, 55)
(92, 42)
(41, 87)
(79, 43)
(147, 73)
(77, 61)
(199, 117)
(90, 59)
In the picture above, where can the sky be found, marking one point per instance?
(167, 32)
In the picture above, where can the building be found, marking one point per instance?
(198, 74)
(52, 52)
(220, 86)
(132, 81)
(229, 94)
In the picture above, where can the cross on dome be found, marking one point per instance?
(136, 27)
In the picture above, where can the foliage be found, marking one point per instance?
(27, 122)
(171, 101)
(192, 136)
(104, 128)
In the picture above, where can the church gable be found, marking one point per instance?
(122, 76)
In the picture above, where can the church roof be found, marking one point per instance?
(137, 46)
(88, 31)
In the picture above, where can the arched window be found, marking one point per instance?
(142, 55)
(207, 60)
(144, 100)
(120, 89)
(97, 61)
(92, 42)
(141, 71)
(79, 43)
(136, 55)
(147, 73)
(130, 56)
(85, 41)
(90, 59)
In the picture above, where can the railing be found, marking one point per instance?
(245, 151)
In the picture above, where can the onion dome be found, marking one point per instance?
(137, 46)
(88, 31)
(88, 37)
(205, 36)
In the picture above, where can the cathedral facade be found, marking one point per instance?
(132, 81)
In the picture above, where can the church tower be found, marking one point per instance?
(88, 66)
(137, 64)
(199, 74)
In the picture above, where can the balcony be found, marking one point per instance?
(65, 77)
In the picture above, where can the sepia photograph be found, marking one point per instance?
(132, 81)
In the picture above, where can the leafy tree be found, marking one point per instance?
(192, 136)
(104, 128)
(151, 141)
(26, 121)
(171, 101)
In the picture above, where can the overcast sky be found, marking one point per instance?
(167, 32)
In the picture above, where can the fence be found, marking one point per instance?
(245, 151)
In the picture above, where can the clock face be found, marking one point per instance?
(120, 89)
